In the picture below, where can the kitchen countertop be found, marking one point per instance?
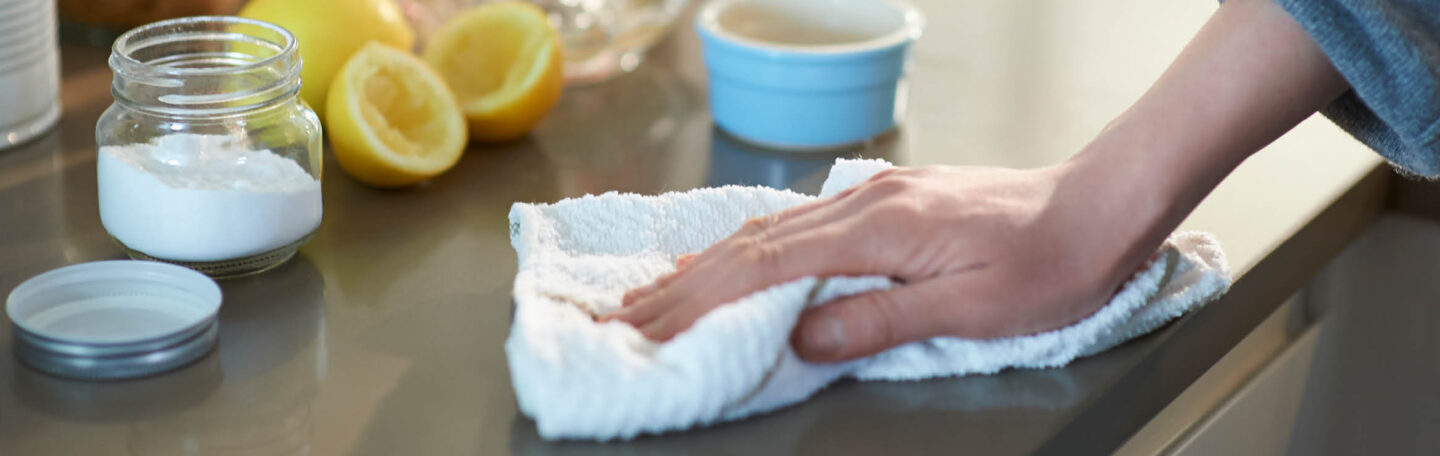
(384, 336)
(1360, 372)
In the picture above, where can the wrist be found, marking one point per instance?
(1135, 187)
(1250, 75)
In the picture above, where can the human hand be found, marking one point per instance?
(993, 252)
(980, 252)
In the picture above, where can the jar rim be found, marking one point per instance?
(124, 43)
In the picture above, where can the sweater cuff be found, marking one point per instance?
(1389, 52)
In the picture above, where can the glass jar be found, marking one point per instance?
(208, 158)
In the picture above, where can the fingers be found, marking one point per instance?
(789, 221)
(808, 239)
(681, 262)
(732, 273)
(869, 323)
(758, 227)
(797, 219)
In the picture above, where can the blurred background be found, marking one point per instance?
(603, 38)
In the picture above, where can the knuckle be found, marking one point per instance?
(766, 255)
(743, 245)
(887, 172)
(761, 224)
(888, 185)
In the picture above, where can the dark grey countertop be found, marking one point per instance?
(384, 336)
(1358, 373)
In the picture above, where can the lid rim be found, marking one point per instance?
(202, 287)
(112, 349)
(121, 367)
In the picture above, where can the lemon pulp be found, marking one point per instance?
(392, 120)
(503, 62)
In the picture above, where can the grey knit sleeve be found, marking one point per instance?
(1389, 51)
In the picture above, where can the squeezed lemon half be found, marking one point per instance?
(503, 61)
(392, 122)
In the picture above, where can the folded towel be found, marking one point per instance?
(579, 379)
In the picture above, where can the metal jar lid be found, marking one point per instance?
(111, 320)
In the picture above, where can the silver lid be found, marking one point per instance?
(114, 319)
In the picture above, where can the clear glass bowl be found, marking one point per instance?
(602, 38)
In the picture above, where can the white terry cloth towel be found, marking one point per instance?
(579, 379)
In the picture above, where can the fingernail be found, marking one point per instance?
(823, 337)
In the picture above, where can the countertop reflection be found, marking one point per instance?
(250, 396)
(386, 334)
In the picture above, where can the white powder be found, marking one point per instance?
(189, 197)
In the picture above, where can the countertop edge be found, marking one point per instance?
(1184, 350)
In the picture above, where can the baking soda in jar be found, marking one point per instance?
(208, 158)
(202, 198)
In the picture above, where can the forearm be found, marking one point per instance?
(1247, 77)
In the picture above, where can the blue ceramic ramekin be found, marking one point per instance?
(807, 74)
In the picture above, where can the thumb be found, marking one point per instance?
(868, 323)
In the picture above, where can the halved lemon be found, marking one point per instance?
(503, 61)
(392, 121)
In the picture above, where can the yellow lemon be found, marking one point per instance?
(503, 61)
(328, 31)
(391, 120)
